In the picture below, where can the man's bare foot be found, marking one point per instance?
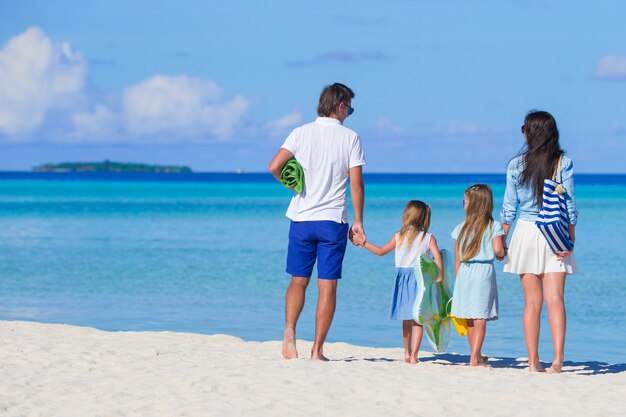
(555, 368)
(317, 353)
(289, 344)
(535, 368)
(320, 358)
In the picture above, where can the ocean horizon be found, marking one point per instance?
(205, 253)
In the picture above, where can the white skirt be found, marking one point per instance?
(529, 253)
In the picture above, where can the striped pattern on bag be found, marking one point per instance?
(552, 219)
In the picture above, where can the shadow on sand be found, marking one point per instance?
(580, 368)
(354, 359)
(448, 359)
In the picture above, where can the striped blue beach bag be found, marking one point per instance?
(552, 218)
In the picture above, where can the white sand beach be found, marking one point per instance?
(60, 370)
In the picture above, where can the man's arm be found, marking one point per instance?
(279, 160)
(357, 191)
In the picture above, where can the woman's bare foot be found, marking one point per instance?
(289, 344)
(413, 360)
(555, 368)
(480, 361)
(536, 367)
(481, 364)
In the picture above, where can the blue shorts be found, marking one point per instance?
(324, 240)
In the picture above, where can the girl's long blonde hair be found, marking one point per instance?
(416, 219)
(477, 218)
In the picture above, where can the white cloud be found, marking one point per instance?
(284, 124)
(40, 77)
(611, 67)
(36, 75)
(181, 107)
(100, 126)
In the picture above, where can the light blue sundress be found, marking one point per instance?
(475, 290)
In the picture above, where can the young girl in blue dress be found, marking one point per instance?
(477, 244)
(411, 241)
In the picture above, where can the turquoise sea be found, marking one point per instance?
(205, 253)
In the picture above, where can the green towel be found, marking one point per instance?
(292, 175)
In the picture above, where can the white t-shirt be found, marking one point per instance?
(406, 255)
(326, 150)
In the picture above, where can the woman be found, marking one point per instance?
(542, 272)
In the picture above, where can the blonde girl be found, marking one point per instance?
(477, 243)
(411, 241)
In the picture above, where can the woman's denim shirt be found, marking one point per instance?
(521, 197)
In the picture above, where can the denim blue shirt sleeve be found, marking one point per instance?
(567, 179)
(519, 200)
(511, 199)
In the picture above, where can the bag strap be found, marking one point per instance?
(557, 173)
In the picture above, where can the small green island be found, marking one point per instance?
(109, 166)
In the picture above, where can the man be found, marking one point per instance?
(329, 154)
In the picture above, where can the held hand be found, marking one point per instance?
(563, 254)
(351, 236)
(358, 239)
(357, 232)
(439, 278)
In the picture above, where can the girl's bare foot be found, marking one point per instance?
(413, 360)
(555, 368)
(407, 357)
(289, 344)
(535, 367)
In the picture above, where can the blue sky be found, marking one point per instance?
(217, 86)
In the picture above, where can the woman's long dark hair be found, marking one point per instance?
(542, 151)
